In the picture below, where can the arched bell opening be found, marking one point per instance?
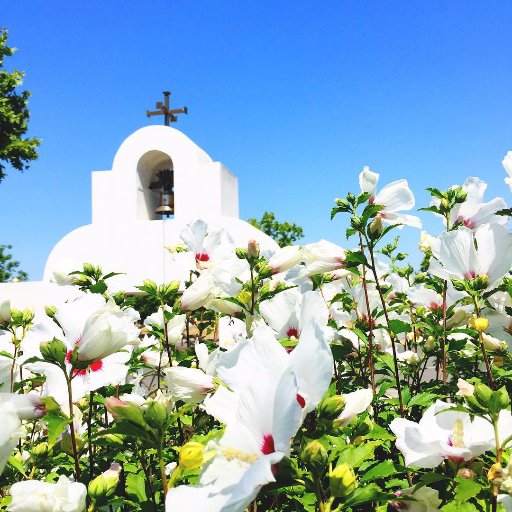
(155, 194)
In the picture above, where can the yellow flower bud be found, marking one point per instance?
(342, 481)
(191, 455)
(314, 454)
(480, 323)
(495, 474)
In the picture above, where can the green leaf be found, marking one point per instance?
(370, 492)
(99, 287)
(422, 399)
(380, 433)
(457, 506)
(355, 258)
(136, 486)
(356, 455)
(17, 465)
(381, 470)
(466, 489)
(430, 478)
(56, 426)
(398, 326)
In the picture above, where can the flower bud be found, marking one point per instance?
(466, 473)
(459, 317)
(244, 296)
(40, 450)
(355, 222)
(50, 311)
(128, 413)
(105, 485)
(54, 351)
(444, 206)
(342, 481)
(495, 474)
(253, 249)
(314, 454)
(342, 204)
(482, 393)
(479, 323)
(28, 316)
(156, 415)
(66, 443)
(465, 388)
(331, 407)
(494, 344)
(241, 253)
(430, 344)
(480, 283)
(425, 242)
(499, 400)
(498, 361)
(5, 311)
(191, 455)
(375, 228)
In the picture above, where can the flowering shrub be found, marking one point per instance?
(316, 378)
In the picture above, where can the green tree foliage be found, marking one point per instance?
(15, 150)
(283, 233)
(9, 268)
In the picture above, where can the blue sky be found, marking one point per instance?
(294, 97)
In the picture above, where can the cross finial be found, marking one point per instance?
(163, 109)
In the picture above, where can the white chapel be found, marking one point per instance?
(154, 166)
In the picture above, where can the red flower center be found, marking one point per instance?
(292, 331)
(202, 256)
(93, 367)
(301, 401)
(267, 446)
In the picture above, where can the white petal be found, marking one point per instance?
(368, 180)
(395, 196)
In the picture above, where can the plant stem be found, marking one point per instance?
(166, 336)
(72, 425)
(391, 335)
(89, 435)
(484, 351)
(162, 470)
(370, 321)
(445, 374)
(499, 450)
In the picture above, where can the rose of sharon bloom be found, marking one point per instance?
(190, 385)
(285, 258)
(27, 406)
(473, 212)
(37, 496)
(106, 331)
(442, 435)
(257, 437)
(311, 362)
(321, 257)
(459, 258)
(208, 247)
(290, 310)
(394, 197)
(10, 431)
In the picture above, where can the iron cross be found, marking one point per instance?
(163, 109)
